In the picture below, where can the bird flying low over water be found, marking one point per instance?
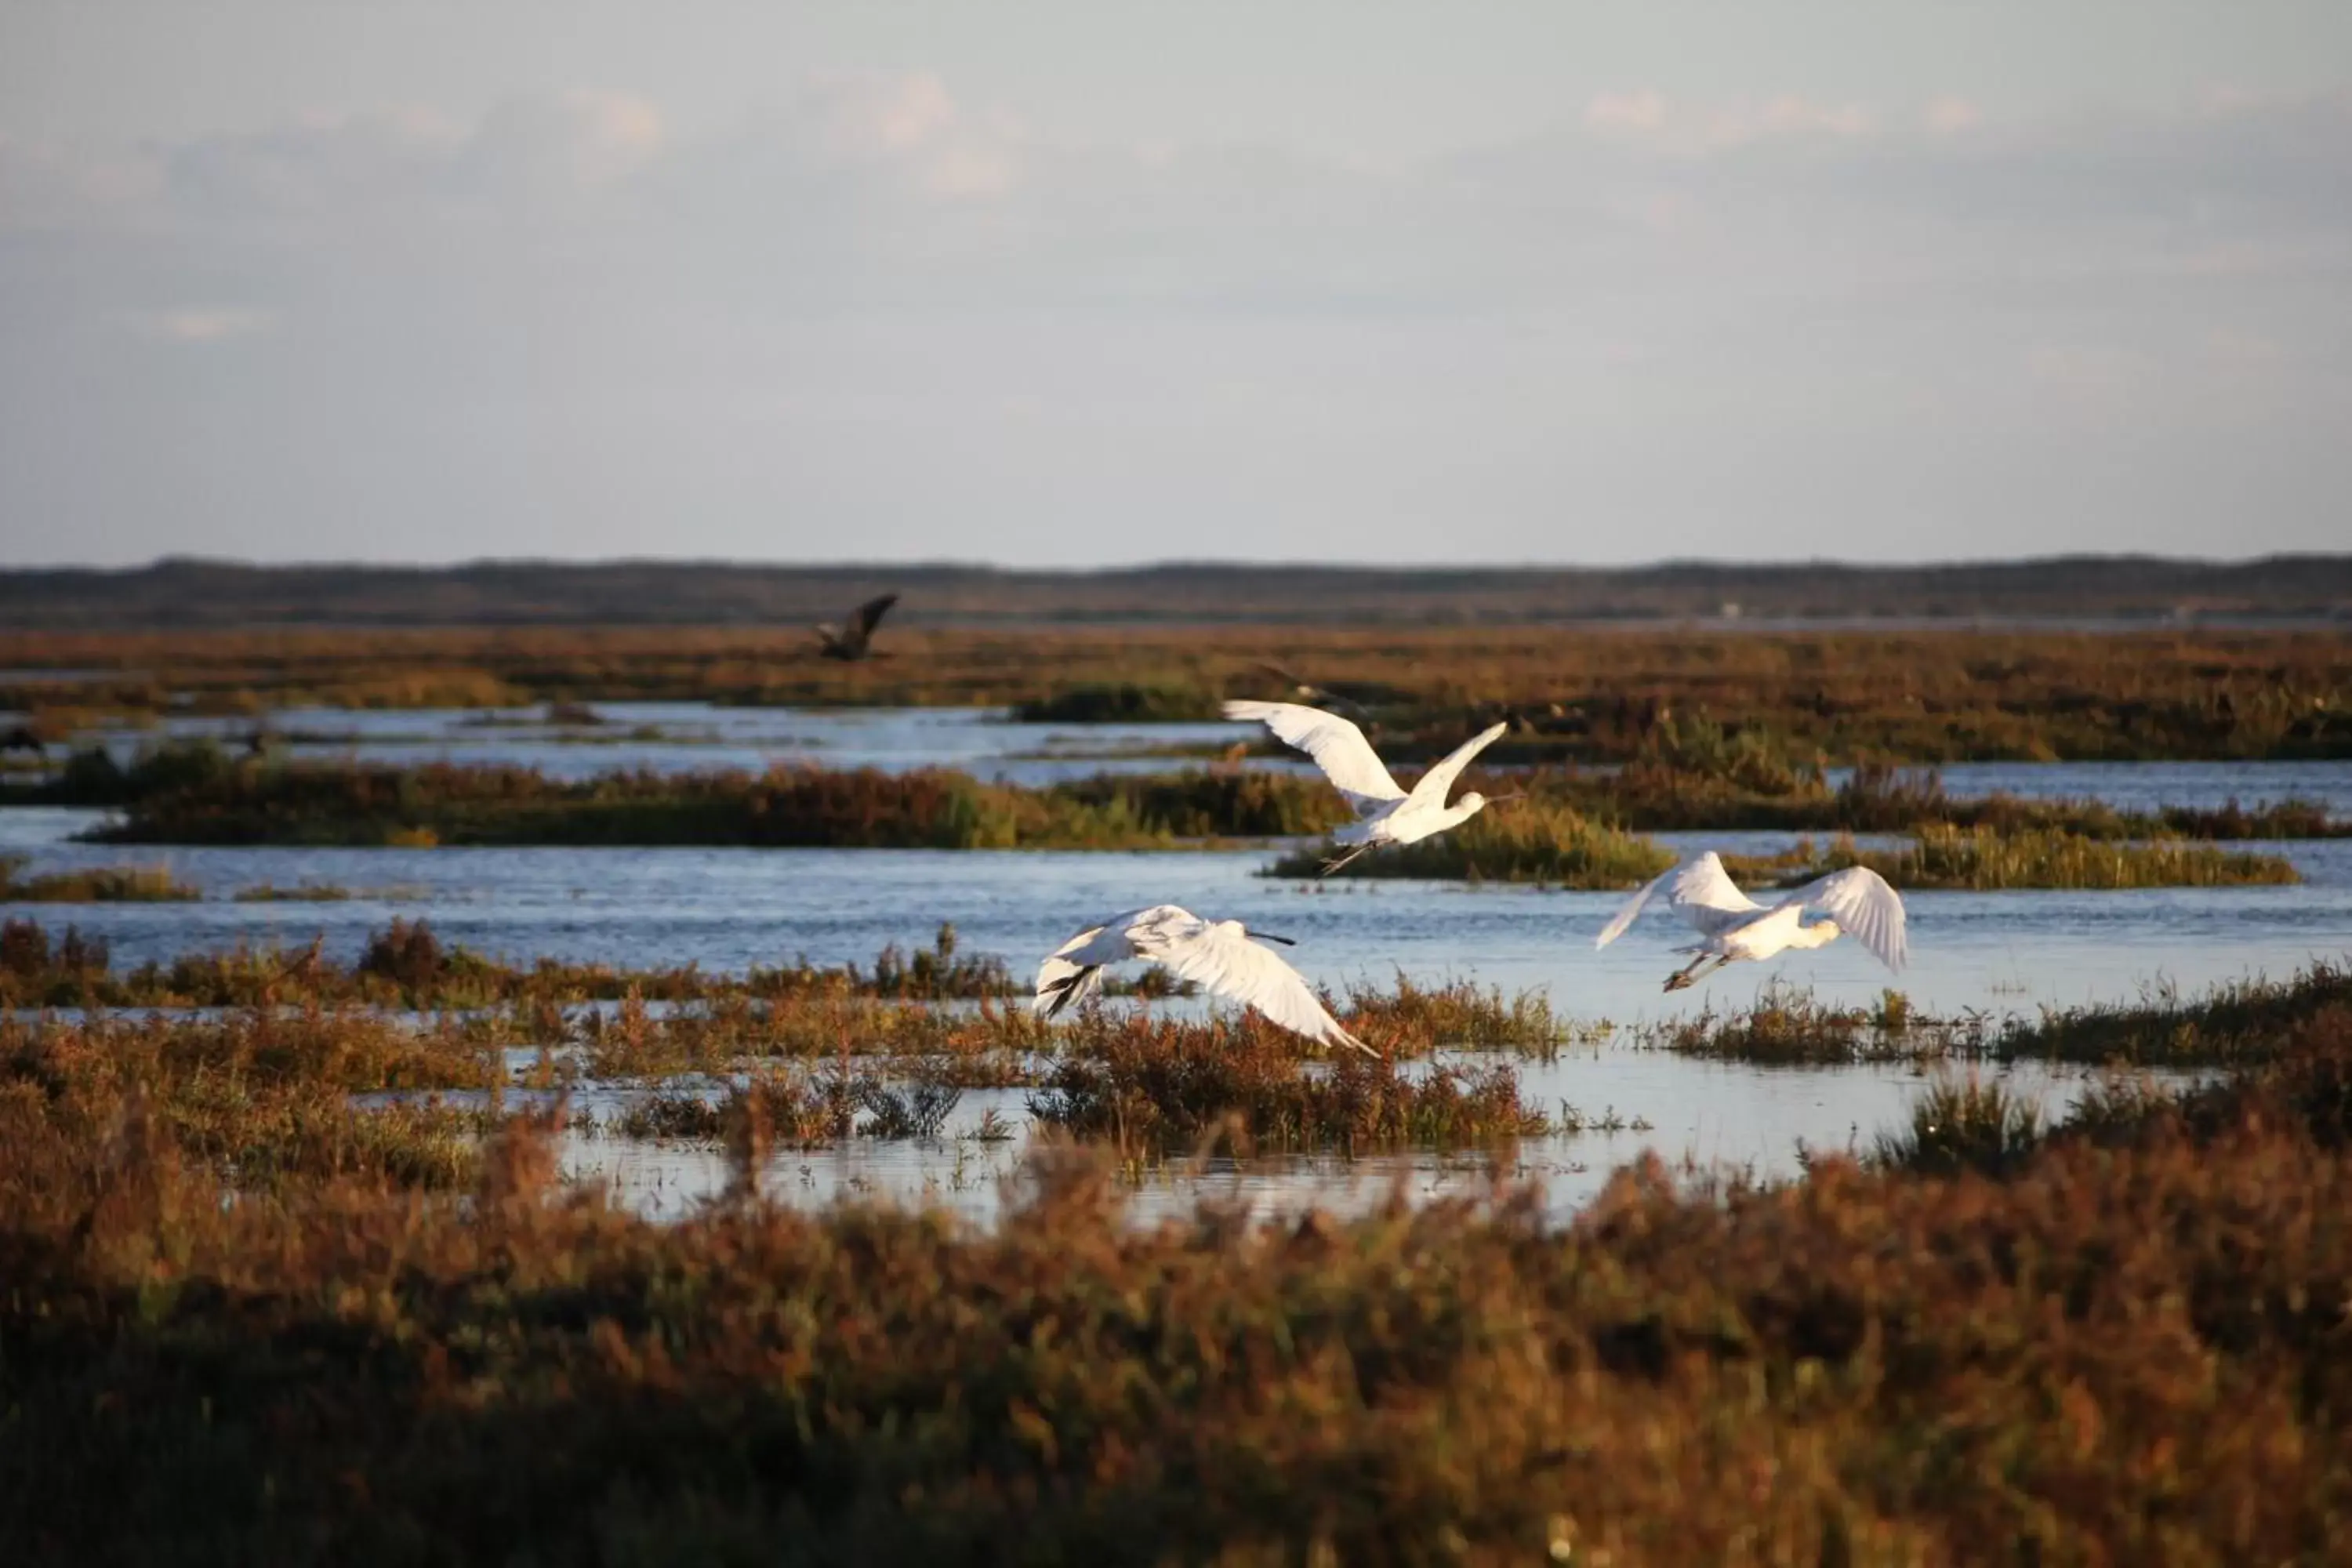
(1733, 926)
(850, 641)
(1216, 955)
(1385, 813)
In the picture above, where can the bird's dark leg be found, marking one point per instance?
(1336, 861)
(1062, 990)
(1689, 971)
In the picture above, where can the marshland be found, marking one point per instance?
(420, 1050)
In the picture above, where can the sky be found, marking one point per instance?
(1091, 283)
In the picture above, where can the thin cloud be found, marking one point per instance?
(203, 324)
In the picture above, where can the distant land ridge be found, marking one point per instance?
(187, 592)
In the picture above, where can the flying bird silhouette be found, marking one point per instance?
(852, 639)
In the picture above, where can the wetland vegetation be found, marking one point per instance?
(1575, 694)
(291, 1277)
(107, 884)
(2239, 1024)
(1555, 847)
(1985, 860)
(406, 965)
(1562, 832)
(212, 799)
(245, 1322)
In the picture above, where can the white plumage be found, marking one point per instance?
(1385, 813)
(1732, 926)
(1216, 955)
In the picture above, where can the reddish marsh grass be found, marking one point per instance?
(263, 1098)
(406, 964)
(1918, 695)
(1662, 794)
(2127, 1349)
(1152, 1087)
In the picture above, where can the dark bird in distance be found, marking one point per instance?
(850, 641)
(1354, 697)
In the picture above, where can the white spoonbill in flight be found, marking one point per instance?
(1385, 814)
(1733, 926)
(1216, 955)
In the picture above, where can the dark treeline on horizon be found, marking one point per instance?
(199, 592)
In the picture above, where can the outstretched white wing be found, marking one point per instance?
(1222, 960)
(1432, 786)
(1863, 906)
(1699, 890)
(1337, 747)
(1073, 970)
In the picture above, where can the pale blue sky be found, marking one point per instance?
(1092, 283)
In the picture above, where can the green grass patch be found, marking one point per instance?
(1518, 841)
(207, 801)
(1989, 860)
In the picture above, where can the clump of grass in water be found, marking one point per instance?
(95, 885)
(1787, 1026)
(301, 893)
(1152, 1084)
(2239, 1024)
(2234, 1024)
(1455, 1014)
(1987, 860)
(1963, 1124)
(1518, 841)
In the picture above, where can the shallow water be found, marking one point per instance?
(728, 909)
(682, 737)
(1728, 1120)
(1724, 1119)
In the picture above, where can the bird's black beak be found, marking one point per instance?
(1269, 936)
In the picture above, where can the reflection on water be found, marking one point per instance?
(1722, 1119)
(728, 908)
